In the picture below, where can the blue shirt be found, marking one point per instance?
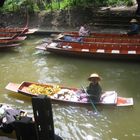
(134, 29)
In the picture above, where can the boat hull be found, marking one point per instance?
(95, 55)
(8, 46)
(93, 50)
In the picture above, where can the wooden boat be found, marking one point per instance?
(7, 46)
(108, 35)
(7, 36)
(10, 35)
(11, 43)
(66, 94)
(6, 41)
(14, 30)
(105, 40)
(93, 50)
(18, 31)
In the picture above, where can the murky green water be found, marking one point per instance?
(75, 122)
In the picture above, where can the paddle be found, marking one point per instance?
(91, 101)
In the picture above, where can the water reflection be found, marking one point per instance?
(51, 71)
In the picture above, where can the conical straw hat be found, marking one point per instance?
(94, 75)
(133, 20)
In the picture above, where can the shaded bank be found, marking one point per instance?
(72, 18)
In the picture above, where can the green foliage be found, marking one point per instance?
(39, 5)
(12, 5)
(120, 2)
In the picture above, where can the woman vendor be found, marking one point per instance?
(94, 89)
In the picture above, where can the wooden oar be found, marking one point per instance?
(91, 101)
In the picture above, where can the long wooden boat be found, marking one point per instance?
(18, 31)
(11, 43)
(66, 94)
(14, 30)
(110, 35)
(7, 36)
(7, 46)
(105, 40)
(6, 41)
(93, 50)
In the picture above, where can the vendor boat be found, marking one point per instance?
(61, 94)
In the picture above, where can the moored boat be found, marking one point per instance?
(19, 38)
(10, 36)
(61, 94)
(10, 43)
(108, 35)
(7, 46)
(103, 40)
(18, 31)
(14, 30)
(93, 50)
(7, 36)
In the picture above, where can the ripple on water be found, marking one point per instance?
(75, 123)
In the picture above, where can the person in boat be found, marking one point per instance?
(134, 27)
(94, 89)
(68, 38)
(84, 30)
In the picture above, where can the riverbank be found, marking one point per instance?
(98, 18)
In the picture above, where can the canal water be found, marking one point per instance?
(75, 122)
